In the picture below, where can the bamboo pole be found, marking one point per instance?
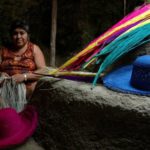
(124, 7)
(53, 33)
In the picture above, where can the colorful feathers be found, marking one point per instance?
(120, 39)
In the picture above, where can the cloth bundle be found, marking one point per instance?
(12, 94)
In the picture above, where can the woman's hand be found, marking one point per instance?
(4, 74)
(18, 78)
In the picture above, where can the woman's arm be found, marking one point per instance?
(39, 57)
(39, 61)
(2, 74)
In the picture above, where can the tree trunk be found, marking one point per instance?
(53, 33)
(125, 2)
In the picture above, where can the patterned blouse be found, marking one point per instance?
(15, 64)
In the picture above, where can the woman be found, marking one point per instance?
(18, 64)
(22, 58)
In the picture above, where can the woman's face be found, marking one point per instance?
(19, 37)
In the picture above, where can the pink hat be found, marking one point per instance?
(15, 127)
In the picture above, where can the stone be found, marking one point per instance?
(74, 117)
(30, 144)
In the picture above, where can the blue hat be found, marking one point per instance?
(133, 79)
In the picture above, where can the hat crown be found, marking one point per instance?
(140, 77)
(143, 61)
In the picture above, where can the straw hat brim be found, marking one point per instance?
(119, 80)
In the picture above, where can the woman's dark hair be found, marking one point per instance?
(19, 24)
